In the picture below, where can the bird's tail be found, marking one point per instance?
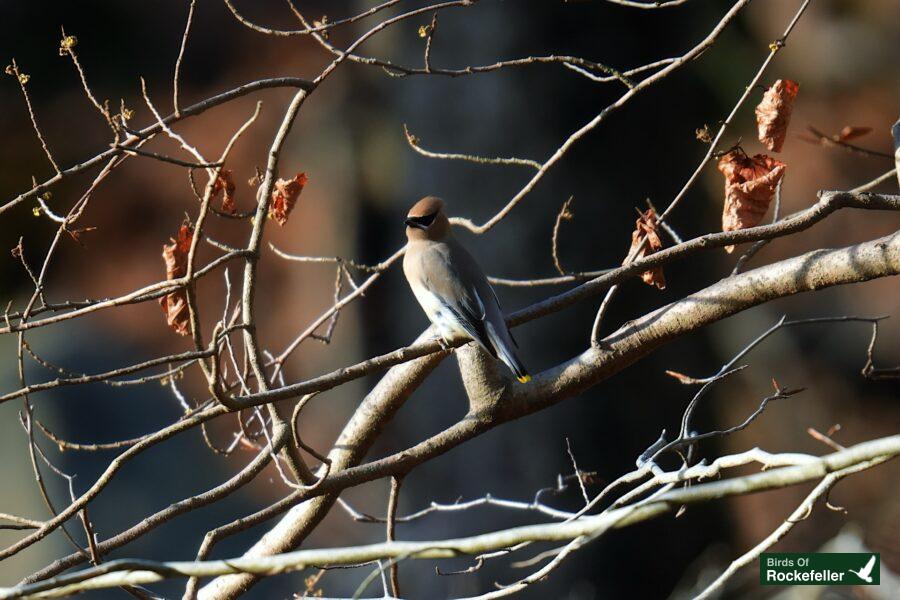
(509, 358)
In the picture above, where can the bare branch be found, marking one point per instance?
(413, 142)
(184, 39)
(131, 572)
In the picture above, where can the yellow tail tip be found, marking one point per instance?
(524, 379)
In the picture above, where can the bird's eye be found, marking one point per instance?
(422, 222)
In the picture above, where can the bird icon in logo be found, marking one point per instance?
(866, 572)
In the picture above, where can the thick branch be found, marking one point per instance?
(354, 442)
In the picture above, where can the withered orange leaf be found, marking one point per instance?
(773, 113)
(750, 184)
(225, 183)
(850, 132)
(284, 197)
(175, 304)
(646, 226)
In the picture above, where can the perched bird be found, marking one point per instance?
(452, 288)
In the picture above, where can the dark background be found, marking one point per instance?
(363, 177)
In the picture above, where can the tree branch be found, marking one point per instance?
(135, 572)
(492, 404)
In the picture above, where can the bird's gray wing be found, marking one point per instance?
(454, 278)
(499, 341)
(488, 292)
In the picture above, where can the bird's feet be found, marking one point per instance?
(444, 344)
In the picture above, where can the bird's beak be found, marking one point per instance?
(414, 222)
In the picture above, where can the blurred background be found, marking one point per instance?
(362, 179)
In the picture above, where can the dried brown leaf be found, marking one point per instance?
(225, 183)
(750, 184)
(646, 226)
(175, 304)
(284, 197)
(773, 113)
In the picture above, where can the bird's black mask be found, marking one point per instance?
(422, 223)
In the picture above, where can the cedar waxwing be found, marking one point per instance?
(452, 288)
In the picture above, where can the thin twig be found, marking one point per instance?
(564, 214)
(413, 142)
(184, 39)
(391, 524)
(22, 80)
